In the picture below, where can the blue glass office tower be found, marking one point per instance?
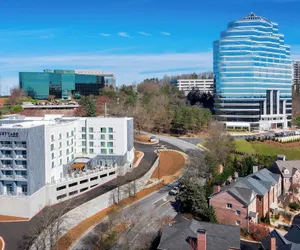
(253, 75)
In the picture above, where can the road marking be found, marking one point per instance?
(160, 198)
(166, 202)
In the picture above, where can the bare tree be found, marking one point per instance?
(52, 223)
(197, 168)
(16, 96)
(219, 143)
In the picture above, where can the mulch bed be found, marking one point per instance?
(283, 145)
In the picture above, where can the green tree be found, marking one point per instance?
(89, 105)
(247, 164)
(212, 215)
(193, 201)
(297, 120)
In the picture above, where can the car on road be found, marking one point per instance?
(297, 132)
(174, 191)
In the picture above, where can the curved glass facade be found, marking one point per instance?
(253, 74)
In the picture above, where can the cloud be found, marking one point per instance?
(104, 34)
(144, 33)
(47, 36)
(127, 67)
(165, 33)
(123, 34)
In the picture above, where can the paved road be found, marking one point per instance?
(15, 234)
(296, 220)
(148, 210)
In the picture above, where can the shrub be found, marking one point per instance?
(16, 109)
(294, 206)
(258, 231)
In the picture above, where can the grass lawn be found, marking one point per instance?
(266, 149)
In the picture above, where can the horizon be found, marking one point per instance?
(133, 39)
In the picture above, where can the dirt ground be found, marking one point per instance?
(170, 165)
(137, 155)
(142, 138)
(5, 218)
(43, 112)
(70, 237)
(2, 103)
(284, 145)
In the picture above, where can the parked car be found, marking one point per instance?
(297, 132)
(174, 191)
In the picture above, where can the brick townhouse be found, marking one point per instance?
(289, 171)
(247, 198)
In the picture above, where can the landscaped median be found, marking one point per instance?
(171, 165)
(6, 218)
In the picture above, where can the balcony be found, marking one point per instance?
(22, 157)
(7, 177)
(3, 146)
(20, 167)
(6, 167)
(21, 177)
(20, 146)
(6, 156)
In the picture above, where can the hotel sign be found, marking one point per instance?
(10, 134)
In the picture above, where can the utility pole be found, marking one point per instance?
(105, 110)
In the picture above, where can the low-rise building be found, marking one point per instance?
(203, 85)
(44, 160)
(248, 198)
(199, 235)
(278, 241)
(289, 171)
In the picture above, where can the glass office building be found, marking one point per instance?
(253, 75)
(60, 83)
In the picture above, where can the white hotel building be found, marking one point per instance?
(204, 85)
(44, 160)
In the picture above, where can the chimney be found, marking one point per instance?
(217, 189)
(280, 157)
(273, 243)
(255, 169)
(201, 239)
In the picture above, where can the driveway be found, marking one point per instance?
(14, 233)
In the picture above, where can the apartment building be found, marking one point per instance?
(247, 199)
(204, 85)
(296, 73)
(39, 156)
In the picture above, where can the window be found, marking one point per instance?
(238, 212)
(72, 141)
(112, 173)
(84, 143)
(110, 130)
(84, 150)
(72, 133)
(67, 134)
(60, 144)
(91, 137)
(110, 137)
(103, 144)
(53, 164)
(83, 129)
(259, 198)
(73, 157)
(67, 151)
(103, 175)
(61, 196)
(60, 153)
(72, 149)
(67, 143)
(60, 162)
(229, 205)
(91, 150)
(52, 137)
(110, 144)
(52, 156)
(111, 151)
(24, 189)
(73, 192)
(238, 222)
(84, 137)
(73, 184)
(52, 147)
(91, 130)
(59, 136)
(94, 178)
(83, 189)
(102, 137)
(83, 181)
(68, 159)
(91, 144)
(103, 130)
(61, 188)
(103, 151)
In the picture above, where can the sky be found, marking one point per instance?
(135, 39)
